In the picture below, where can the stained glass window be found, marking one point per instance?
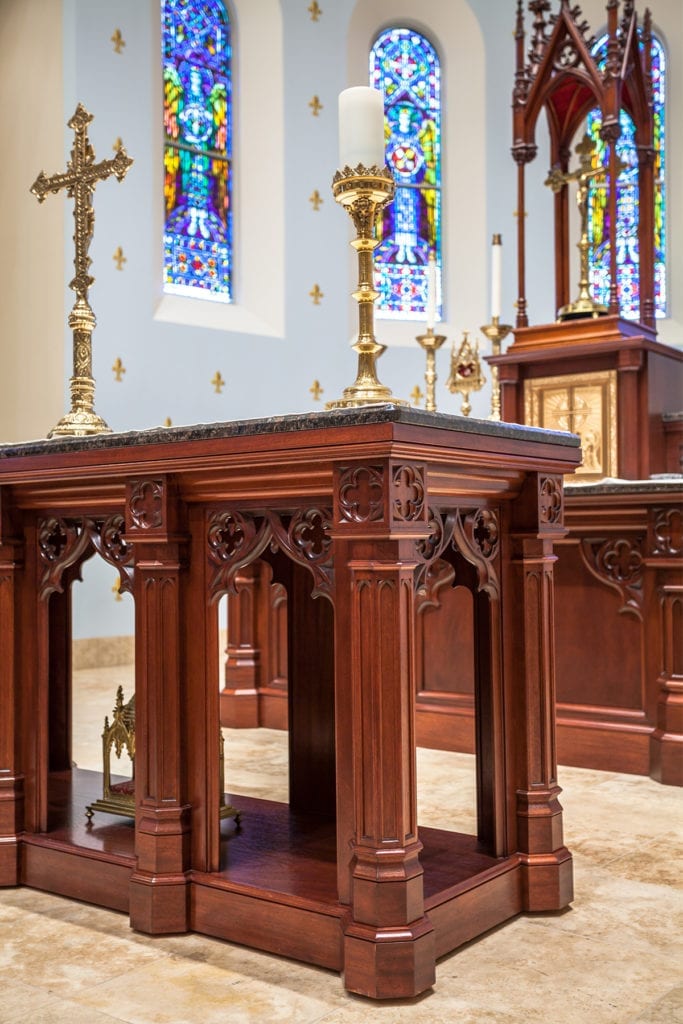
(197, 149)
(404, 67)
(628, 276)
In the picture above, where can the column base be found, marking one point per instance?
(547, 880)
(390, 963)
(159, 906)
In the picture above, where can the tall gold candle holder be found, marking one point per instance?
(465, 375)
(363, 192)
(431, 343)
(79, 181)
(495, 332)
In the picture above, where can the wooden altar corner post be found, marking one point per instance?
(537, 520)
(11, 779)
(159, 901)
(380, 510)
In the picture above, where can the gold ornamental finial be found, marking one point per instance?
(79, 181)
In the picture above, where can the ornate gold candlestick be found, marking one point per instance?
(495, 332)
(79, 180)
(465, 375)
(431, 342)
(363, 192)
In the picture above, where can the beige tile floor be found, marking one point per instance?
(616, 957)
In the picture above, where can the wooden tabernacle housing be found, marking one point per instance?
(353, 509)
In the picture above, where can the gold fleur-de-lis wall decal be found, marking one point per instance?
(316, 390)
(316, 200)
(314, 10)
(118, 41)
(168, 422)
(416, 395)
(316, 294)
(218, 383)
(316, 106)
(116, 589)
(119, 258)
(118, 369)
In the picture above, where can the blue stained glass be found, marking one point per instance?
(198, 148)
(404, 67)
(628, 271)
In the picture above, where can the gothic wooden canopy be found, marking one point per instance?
(560, 74)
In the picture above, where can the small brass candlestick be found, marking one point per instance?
(495, 332)
(431, 342)
(363, 192)
(79, 181)
(465, 375)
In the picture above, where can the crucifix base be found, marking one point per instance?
(80, 423)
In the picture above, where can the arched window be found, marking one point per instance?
(404, 67)
(628, 271)
(197, 149)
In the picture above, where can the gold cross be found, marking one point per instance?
(416, 395)
(316, 199)
(118, 143)
(118, 40)
(118, 369)
(316, 295)
(119, 258)
(79, 180)
(116, 589)
(314, 10)
(316, 106)
(218, 382)
(316, 390)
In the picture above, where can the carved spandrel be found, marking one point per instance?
(474, 533)
(236, 539)
(64, 542)
(617, 562)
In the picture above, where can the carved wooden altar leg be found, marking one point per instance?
(537, 517)
(389, 948)
(159, 900)
(11, 780)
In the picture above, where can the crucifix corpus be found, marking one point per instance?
(79, 180)
(585, 305)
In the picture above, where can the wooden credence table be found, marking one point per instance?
(351, 508)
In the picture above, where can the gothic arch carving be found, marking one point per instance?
(65, 542)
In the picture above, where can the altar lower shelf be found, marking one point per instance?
(276, 889)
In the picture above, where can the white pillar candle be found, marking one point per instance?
(431, 291)
(496, 274)
(361, 127)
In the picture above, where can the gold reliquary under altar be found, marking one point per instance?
(118, 738)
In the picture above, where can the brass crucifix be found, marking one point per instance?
(585, 305)
(79, 180)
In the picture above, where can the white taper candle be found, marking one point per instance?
(496, 274)
(431, 291)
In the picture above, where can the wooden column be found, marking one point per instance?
(159, 886)
(665, 623)
(379, 512)
(11, 779)
(239, 697)
(536, 816)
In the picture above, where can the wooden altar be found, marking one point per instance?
(352, 509)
